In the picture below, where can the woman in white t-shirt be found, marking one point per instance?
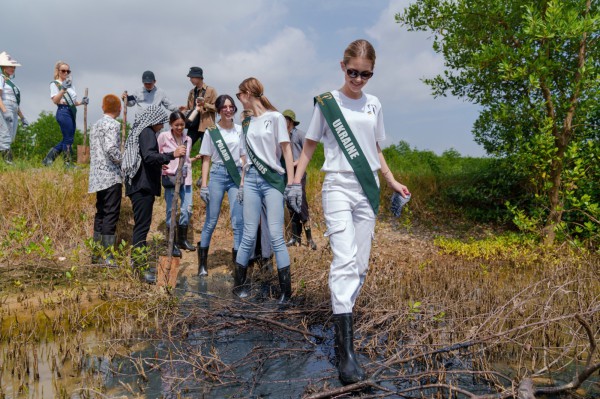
(63, 94)
(265, 139)
(213, 191)
(10, 98)
(349, 215)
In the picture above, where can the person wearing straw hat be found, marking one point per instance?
(298, 219)
(10, 98)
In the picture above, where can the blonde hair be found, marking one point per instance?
(57, 67)
(360, 48)
(256, 89)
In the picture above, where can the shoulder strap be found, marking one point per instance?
(14, 88)
(68, 99)
(350, 147)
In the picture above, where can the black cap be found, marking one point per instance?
(195, 72)
(148, 77)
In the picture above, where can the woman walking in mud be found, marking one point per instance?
(223, 148)
(265, 140)
(349, 122)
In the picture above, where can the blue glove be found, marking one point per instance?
(67, 83)
(240, 195)
(85, 100)
(24, 122)
(398, 202)
(294, 197)
(8, 117)
(205, 194)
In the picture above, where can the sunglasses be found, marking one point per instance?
(238, 95)
(353, 74)
(66, 70)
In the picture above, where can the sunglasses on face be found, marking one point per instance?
(353, 74)
(238, 95)
(66, 70)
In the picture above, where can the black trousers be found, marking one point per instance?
(195, 135)
(301, 217)
(108, 207)
(142, 203)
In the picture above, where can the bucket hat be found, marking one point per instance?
(288, 113)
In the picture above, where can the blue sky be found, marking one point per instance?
(293, 47)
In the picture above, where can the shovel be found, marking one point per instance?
(168, 266)
(83, 151)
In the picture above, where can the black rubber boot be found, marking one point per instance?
(285, 284)
(202, 261)
(240, 287)
(182, 240)
(296, 231)
(176, 251)
(108, 242)
(349, 369)
(68, 158)
(50, 157)
(95, 250)
(309, 240)
(233, 255)
(7, 156)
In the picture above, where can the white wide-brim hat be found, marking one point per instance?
(7, 60)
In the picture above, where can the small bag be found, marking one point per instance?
(168, 181)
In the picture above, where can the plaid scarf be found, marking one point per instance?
(151, 116)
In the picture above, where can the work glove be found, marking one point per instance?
(24, 122)
(240, 195)
(286, 192)
(85, 100)
(8, 117)
(205, 194)
(398, 202)
(67, 83)
(294, 197)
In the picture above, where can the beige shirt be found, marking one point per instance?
(208, 111)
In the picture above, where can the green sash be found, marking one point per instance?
(271, 176)
(223, 150)
(69, 100)
(350, 147)
(14, 88)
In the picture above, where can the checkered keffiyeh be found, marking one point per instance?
(398, 202)
(152, 115)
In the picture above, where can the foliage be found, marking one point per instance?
(534, 68)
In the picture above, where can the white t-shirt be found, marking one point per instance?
(8, 93)
(232, 139)
(265, 135)
(365, 119)
(54, 91)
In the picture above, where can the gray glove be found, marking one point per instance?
(67, 83)
(8, 117)
(85, 100)
(24, 122)
(294, 197)
(240, 195)
(398, 202)
(205, 194)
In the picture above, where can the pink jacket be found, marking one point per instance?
(166, 143)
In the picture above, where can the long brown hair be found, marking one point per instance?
(256, 89)
(360, 48)
(57, 67)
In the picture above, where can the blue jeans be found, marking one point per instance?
(67, 127)
(220, 182)
(185, 195)
(256, 192)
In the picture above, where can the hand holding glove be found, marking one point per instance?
(205, 194)
(240, 195)
(398, 202)
(294, 197)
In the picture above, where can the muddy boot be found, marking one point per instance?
(108, 242)
(182, 240)
(202, 261)
(95, 249)
(309, 240)
(296, 231)
(68, 158)
(240, 287)
(285, 284)
(6, 156)
(50, 157)
(176, 251)
(142, 269)
(349, 370)
(233, 255)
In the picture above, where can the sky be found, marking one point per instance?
(292, 47)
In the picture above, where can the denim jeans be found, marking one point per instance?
(256, 193)
(67, 127)
(185, 209)
(220, 182)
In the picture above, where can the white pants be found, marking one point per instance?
(350, 226)
(8, 131)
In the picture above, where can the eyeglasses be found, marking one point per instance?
(353, 74)
(66, 70)
(238, 95)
